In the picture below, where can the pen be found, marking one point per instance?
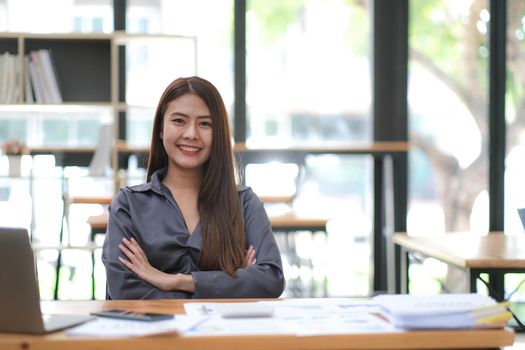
(489, 310)
(494, 319)
(204, 310)
(207, 310)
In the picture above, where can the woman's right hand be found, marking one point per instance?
(138, 263)
(249, 259)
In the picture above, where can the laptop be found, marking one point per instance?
(521, 213)
(19, 293)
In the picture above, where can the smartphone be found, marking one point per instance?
(132, 315)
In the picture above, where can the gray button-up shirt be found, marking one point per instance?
(149, 213)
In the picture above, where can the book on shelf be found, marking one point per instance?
(9, 78)
(12, 78)
(43, 77)
(4, 73)
(450, 311)
(50, 76)
(28, 88)
(36, 78)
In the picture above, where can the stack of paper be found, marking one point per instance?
(443, 311)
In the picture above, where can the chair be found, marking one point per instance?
(99, 167)
(286, 222)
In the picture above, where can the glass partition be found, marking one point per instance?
(448, 128)
(309, 84)
(448, 116)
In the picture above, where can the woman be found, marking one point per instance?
(189, 231)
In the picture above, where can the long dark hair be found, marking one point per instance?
(222, 224)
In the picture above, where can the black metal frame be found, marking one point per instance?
(239, 116)
(497, 127)
(390, 106)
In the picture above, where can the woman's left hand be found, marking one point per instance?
(139, 264)
(249, 258)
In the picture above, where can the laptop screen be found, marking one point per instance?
(521, 212)
(19, 292)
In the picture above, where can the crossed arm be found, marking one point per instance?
(138, 263)
(133, 273)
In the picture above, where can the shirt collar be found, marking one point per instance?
(155, 183)
(156, 180)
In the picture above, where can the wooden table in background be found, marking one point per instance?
(495, 253)
(439, 339)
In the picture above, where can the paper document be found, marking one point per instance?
(290, 306)
(106, 327)
(218, 326)
(300, 317)
(443, 311)
(317, 306)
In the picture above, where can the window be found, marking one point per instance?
(308, 84)
(308, 72)
(448, 128)
(448, 115)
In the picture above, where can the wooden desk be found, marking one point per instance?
(91, 200)
(495, 253)
(99, 223)
(406, 340)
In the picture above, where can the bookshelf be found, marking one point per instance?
(104, 75)
(82, 62)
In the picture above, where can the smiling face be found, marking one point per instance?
(187, 133)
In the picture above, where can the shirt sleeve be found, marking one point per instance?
(121, 282)
(265, 279)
